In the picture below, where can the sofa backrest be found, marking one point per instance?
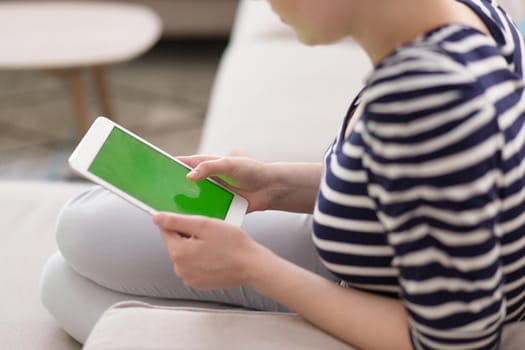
(275, 98)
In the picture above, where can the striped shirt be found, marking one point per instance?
(425, 199)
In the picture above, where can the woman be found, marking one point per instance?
(418, 205)
(420, 200)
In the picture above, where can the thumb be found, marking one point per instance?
(185, 225)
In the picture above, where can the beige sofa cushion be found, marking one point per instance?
(134, 325)
(516, 8)
(29, 211)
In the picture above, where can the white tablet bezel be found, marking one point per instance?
(86, 151)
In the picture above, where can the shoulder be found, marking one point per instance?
(441, 71)
(427, 106)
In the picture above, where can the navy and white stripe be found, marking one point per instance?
(425, 200)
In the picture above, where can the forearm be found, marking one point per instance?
(296, 186)
(364, 320)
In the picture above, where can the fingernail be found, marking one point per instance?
(157, 218)
(193, 173)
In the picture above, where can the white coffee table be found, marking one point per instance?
(68, 37)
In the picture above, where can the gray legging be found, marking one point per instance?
(110, 251)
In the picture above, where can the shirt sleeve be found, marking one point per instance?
(433, 154)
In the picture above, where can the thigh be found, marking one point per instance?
(116, 245)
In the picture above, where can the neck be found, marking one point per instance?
(400, 22)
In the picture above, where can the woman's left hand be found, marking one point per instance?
(207, 253)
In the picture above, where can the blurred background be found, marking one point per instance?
(162, 94)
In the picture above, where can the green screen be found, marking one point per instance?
(155, 179)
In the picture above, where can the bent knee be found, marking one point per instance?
(98, 230)
(74, 222)
(84, 226)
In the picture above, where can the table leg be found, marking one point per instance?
(102, 90)
(78, 99)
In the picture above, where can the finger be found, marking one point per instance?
(195, 160)
(171, 239)
(205, 169)
(164, 221)
(177, 247)
(220, 168)
(186, 225)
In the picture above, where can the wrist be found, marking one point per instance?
(278, 184)
(271, 275)
(257, 261)
(293, 186)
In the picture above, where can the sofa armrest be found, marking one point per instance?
(135, 325)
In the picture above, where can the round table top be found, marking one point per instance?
(60, 35)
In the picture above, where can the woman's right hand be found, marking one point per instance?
(250, 178)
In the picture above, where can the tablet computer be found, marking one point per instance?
(148, 177)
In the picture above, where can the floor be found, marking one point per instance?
(162, 96)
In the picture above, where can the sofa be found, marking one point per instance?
(276, 100)
(273, 99)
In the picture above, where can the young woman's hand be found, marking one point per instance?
(207, 253)
(210, 254)
(248, 177)
(277, 186)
